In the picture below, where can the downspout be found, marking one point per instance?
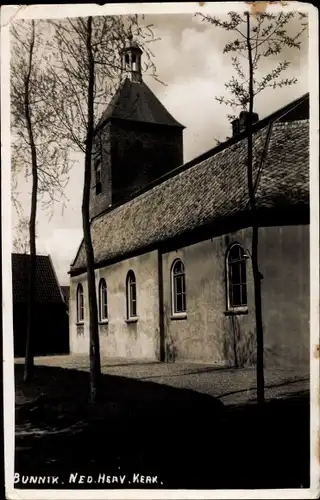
(161, 309)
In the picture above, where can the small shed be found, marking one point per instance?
(51, 329)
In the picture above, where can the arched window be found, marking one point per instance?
(236, 277)
(103, 300)
(97, 169)
(178, 288)
(131, 295)
(80, 304)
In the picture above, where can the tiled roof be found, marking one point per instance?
(209, 191)
(47, 287)
(135, 101)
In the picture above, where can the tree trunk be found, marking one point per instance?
(95, 368)
(29, 357)
(255, 234)
(30, 329)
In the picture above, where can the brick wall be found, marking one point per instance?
(142, 153)
(102, 145)
(132, 156)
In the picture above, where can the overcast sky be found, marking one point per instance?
(190, 60)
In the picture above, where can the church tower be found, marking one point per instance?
(136, 140)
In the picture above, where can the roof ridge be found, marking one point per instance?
(28, 254)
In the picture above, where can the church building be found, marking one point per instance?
(172, 241)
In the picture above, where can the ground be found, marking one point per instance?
(190, 425)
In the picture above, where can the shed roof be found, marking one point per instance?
(47, 287)
(211, 190)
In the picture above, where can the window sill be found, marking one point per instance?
(103, 322)
(236, 310)
(80, 323)
(131, 320)
(182, 315)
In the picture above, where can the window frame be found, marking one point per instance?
(80, 306)
(131, 284)
(175, 314)
(103, 305)
(243, 306)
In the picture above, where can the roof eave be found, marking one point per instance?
(240, 219)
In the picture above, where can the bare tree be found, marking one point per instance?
(35, 147)
(85, 73)
(254, 37)
(21, 240)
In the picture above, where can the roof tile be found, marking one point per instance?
(135, 101)
(208, 191)
(47, 287)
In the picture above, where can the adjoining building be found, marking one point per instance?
(51, 328)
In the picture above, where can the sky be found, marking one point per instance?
(190, 61)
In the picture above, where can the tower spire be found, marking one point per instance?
(131, 60)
